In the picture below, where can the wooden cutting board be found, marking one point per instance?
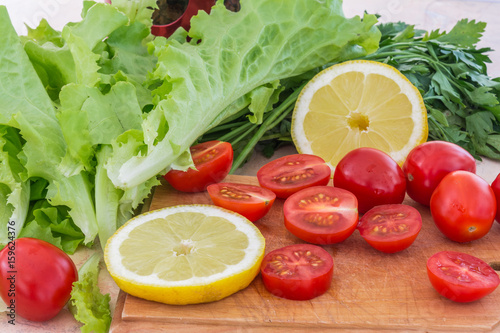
(371, 291)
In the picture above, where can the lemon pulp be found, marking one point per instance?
(359, 104)
(185, 254)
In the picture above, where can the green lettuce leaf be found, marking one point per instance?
(229, 55)
(54, 225)
(88, 305)
(14, 192)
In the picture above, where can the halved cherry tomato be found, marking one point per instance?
(321, 214)
(253, 202)
(429, 162)
(460, 276)
(495, 186)
(463, 206)
(289, 174)
(372, 176)
(390, 228)
(213, 161)
(298, 272)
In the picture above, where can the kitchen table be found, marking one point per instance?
(425, 14)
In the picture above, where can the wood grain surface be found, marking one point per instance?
(371, 291)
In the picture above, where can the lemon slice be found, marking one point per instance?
(359, 104)
(185, 254)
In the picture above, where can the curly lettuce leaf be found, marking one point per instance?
(229, 55)
(54, 225)
(87, 304)
(14, 192)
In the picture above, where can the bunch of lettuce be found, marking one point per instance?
(92, 114)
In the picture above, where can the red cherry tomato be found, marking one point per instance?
(289, 174)
(298, 272)
(390, 228)
(496, 189)
(372, 176)
(213, 161)
(253, 202)
(42, 278)
(321, 214)
(429, 162)
(463, 206)
(460, 276)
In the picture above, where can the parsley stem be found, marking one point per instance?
(273, 119)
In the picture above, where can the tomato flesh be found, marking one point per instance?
(427, 164)
(290, 174)
(372, 176)
(495, 186)
(390, 228)
(212, 160)
(42, 281)
(461, 277)
(253, 202)
(297, 272)
(463, 206)
(321, 214)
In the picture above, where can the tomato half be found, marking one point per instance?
(213, 161)
(463, 206)
(390, 228)
(427, 164)
(461, 277)
(321, 214)
(495, 186)
(289, 174)
(253, 202)
(298, 272)
(36, 278)
(372, 176)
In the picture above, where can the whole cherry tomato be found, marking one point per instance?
(496, 189)
(429, 162)
(463, 206)
(372, 176)
(36, 278)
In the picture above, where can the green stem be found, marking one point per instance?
(284, 108)
(236, 132)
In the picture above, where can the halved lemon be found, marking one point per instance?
(359, 104)
(185, 254)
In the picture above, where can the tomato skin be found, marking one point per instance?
(43, 280)
(297, 272)
(495, 186)
(463, 206)
(253, 202)
(373, 176)
(402, 225)
(461, 277)
(213, 161)
(427, 164)
(289, 174)
(304, 217)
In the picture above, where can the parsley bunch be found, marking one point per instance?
(462, 101)
(449, 70)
